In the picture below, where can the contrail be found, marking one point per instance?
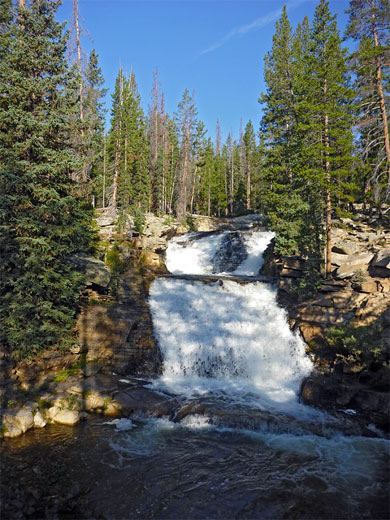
(256, 24)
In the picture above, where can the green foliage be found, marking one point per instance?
(306, 129)
(139, 221)
(42, 218)
(365, 345)
(43, 404)
(128, 149)
(114, 261)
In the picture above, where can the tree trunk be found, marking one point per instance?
(231, 185)
(328, 255)
(104, 173)
(381, 96)
(81, 90)
(248, 186)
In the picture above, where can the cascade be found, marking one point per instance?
(225, 337)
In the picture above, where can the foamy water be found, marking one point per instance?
(226, 338)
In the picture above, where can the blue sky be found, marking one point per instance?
(215, 48)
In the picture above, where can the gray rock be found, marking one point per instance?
(346, 248)
(67, 417)
(107, 217)
(11, 431)
(231, 253)
(353, 264)
(382, 259)
(19, 418)
(94, 269)
(92, 368)
(39, 420)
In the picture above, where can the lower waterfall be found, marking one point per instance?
(225, 336)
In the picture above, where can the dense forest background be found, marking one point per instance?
(323, 144)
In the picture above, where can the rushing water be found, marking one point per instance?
(242, 446)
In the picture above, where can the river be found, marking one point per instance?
(241, 446)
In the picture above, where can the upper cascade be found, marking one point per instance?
(232, 252)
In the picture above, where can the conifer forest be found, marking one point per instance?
(323, 144)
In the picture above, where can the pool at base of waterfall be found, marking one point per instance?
(159, 469)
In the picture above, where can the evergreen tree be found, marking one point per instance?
(135, 185)
(94, 114)
(42, 221)
(250, 160)
(369, 24)
(328, 115)
(185, 119)
(128, 149)
(283, 200)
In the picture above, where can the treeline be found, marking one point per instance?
(167, 164)
(322, 145)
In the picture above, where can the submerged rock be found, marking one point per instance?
(231, 253)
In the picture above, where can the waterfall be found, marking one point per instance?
(225, 337)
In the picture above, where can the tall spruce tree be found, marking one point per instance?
(369, 23)
(185, 119)
(94, 114)
(42, 221)
(283, 201)
(328, 116)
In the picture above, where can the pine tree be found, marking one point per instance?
(94, 114)
(250, 160)
(369, 23)
(135, 183)
(42, 221)
(185, 119)
(329, 118)
(283, 201)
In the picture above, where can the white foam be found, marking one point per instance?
(231, 338)
(255, 244)
(121, 424)
(186, 255)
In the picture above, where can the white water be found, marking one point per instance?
(186, 255)
(225, 338)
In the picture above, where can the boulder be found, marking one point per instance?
(39, 420)
(143, 399)
(345, 248)
(293, 262)
(67, 417)
(11, 431)
(309, 331)
(106, 217)
(381, 264)
(92, 368)
(94, 401)
(53, 411)
(366, 287)
(94, 269)
(354, 264)
(19, 418)
(371, 400)
(382, 259)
